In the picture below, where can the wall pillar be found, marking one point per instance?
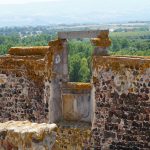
(65, 62)
(59, 75)
(101, 43)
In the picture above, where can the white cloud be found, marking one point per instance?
(24, 1)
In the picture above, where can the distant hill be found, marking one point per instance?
(73, 11)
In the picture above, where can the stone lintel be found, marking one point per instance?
(81, 34)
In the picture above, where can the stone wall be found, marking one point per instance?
(76, 101)
(22, 90)
(34, 85)
(121, 89)
(22, 99)
(30, 81)
(73, 136)
(24, 86)
(27, 136)
(74, 131)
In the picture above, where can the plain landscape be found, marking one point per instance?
(132, 38)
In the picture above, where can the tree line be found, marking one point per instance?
(80, 51)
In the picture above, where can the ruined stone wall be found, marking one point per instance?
(24, 135)
(34, 86)
(76, 101)
(121, 90)
(30, 81)
(74, 130)
(21, 99)
(73, 136)
(24, 88)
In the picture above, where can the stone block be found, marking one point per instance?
(27, 135)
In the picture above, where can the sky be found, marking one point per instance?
(45, 12)
(22, 1)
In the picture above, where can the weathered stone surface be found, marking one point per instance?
(22, 84)
(76, 101)
(80, 34)
(34, 86)
(78, 86)
(25, 82)
(22, 99)
(121, 102)
(73, 136)
(102, 39)
(26, 135)
(58, 76)
(26, 51)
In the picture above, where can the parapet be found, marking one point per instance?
(121, 62)
(78, 86)
(25, 51)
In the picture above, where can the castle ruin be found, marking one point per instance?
(110, 112)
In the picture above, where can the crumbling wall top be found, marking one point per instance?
(116, 61)
(77, 85)
(25, 51)
(24, 135)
